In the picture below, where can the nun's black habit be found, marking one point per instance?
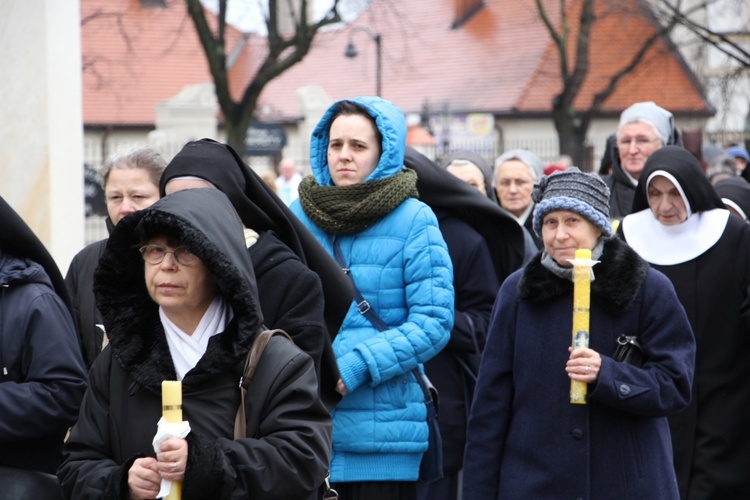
(705, 257)
(481, 238)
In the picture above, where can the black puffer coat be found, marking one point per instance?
(42, 375)
(287, 450)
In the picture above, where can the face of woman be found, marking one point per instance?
(565, 232)
(353, 150)
(666, 202)
(514, 186)
(470, 174)
(128, 190)
(181, 290)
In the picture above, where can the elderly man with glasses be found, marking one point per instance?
(644, 127)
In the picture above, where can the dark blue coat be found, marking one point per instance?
(42, 375)
(475, 286)
(526, 440)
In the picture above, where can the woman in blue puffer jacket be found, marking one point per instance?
(361, 198)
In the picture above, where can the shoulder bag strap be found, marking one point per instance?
(368, 312)
(251, 363)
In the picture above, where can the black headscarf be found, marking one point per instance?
(686, 169)
(261, 210)
(18, 239)
(737, 190)
(441, 190)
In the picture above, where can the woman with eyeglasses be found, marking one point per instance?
(302, 290)
(177, 291)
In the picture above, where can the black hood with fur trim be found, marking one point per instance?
(205, 221)
(618, 278)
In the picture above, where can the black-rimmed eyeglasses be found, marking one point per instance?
(154, 254)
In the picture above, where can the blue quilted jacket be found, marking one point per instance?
(402, 268)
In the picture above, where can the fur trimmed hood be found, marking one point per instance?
(619, 277)
(204, 220)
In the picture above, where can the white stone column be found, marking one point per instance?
(312, 102)
(41, 124)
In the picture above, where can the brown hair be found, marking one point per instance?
(343, 108)
(147, 159)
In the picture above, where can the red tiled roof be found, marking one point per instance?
(424, 59)
(617, 35)
(135, 57)
(502, 61)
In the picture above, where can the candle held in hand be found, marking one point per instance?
(581, 301)
(171, 401)
(171, 410)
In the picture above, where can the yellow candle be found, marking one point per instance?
(171, 410)
(171, 401)
(581, 302)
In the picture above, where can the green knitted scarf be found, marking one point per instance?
(351, 209)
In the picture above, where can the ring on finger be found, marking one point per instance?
(587, 369)
(174, 467)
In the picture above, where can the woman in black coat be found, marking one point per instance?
(190, 312)
(681, 227)
(131, 182)
(302, 290)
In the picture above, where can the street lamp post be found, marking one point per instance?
(351, 51)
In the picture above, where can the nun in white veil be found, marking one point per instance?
(681, 227)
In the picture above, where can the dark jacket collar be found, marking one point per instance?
(619, 277)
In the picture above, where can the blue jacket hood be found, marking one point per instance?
(390, 121)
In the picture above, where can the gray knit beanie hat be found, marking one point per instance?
(574, 191)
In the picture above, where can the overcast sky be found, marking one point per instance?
(247, 15)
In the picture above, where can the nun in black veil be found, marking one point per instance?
(302, 289)
(681, 227)
(486, 245)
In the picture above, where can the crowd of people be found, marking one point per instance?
(300, 316)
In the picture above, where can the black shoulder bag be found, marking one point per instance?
(629, 351)
(431, 467)
(251, 364)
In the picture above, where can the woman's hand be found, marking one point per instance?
(144, 480)
(583, 365)
(341, 388)
(172, 459)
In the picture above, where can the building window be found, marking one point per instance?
(153, 4)
(465, 10)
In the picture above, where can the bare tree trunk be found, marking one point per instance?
(284, 51)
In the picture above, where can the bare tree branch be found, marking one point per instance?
(284, 51)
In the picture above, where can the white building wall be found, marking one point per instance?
(41, 151)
